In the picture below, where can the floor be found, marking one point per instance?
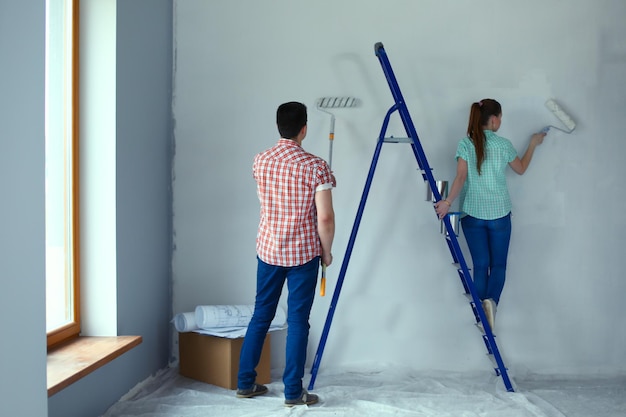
(386, 390)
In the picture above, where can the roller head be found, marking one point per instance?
(561, 115)
(336, 102)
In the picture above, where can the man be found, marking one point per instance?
(295, 232)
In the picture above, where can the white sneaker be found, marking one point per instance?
(490, 308)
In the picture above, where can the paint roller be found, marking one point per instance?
(560, 114)
(332, 103)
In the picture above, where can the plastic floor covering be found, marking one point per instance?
(381, 390)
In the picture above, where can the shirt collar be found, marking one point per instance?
(288, 142)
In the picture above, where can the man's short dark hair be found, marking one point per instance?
(290, 118)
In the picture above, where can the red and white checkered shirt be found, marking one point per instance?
(287, 178)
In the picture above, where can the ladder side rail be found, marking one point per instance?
(421, 157)
(462, 264)
(499, 361)
(423, 163)
(398, 98)
(344, 266)
(455, 257)
(493, 347)
(405, 116)
(418, 150)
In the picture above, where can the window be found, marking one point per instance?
(61, 167)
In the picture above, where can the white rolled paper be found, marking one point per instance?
(219, 316)
(185, 322)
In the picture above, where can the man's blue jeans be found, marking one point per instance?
(301, 284)
(488, 242)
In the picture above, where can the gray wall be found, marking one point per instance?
(144, 150)
(561, 310)
(22, 248)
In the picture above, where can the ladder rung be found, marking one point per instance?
(496, 368)
(480, 327)
(393, 139)
(469, 297)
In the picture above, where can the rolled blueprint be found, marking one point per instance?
(220, 316)
(185, 322)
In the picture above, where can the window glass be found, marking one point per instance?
(59, 166)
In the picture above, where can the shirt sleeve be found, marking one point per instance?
(254, 167)
(324, 178)
(462, 151)
(511, 151)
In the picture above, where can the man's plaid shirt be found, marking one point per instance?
(287, 178)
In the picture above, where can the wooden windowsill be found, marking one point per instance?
(79, 357)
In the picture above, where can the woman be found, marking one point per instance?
(482, 158)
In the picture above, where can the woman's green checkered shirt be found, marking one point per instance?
(486, 196)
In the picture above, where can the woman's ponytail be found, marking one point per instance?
(480, 112)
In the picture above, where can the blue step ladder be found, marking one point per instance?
(451, 238)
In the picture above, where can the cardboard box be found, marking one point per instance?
(215, 360)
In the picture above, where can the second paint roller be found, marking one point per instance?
(560, 114)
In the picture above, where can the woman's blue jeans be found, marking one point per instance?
(488, 242)
(301, 284)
